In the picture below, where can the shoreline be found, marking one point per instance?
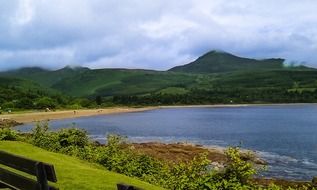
(235, 105)
(34, 116)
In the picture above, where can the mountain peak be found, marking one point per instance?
(72, 68)
(214, 53)
(216, 61)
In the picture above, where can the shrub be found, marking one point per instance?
(41, 137)
(112, 156)
(72, 137)
(65, 140)
(189, 175)
(118, 156)
(238, 168)
(8, 134)
(235, 175)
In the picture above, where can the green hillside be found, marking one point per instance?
(262, 79)
(83, 82)
(72, 173)
(214, 71)
(109, 82)
(45, 77)
(21, 93)
(216, 62)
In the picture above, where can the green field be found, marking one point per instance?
(72, 173)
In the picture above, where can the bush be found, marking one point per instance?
(238, 168)
(189, 175)
(8, 134)
(65, 140)
(234, 176)
(72, 137)
(119, 157)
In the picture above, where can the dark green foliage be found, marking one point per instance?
(216, 62)
(45, 102)
(7, 134)
(98, 100)
(25, 103)
(23, 94)
(64, 140)
(118, 156)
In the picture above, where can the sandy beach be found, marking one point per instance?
(64, 114)
(27, 117)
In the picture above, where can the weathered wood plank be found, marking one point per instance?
(26, 165)
(17, 181)
(2, 186)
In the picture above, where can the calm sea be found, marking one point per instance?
(285, 136)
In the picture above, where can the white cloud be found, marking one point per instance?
(154, 34)
(24, 12)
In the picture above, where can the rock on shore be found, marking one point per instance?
(6, 123)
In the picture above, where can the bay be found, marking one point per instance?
(284, 135)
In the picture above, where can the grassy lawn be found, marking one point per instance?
(73, 173)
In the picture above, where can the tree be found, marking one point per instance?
(45, 102)
(98, 100)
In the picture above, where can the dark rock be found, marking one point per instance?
(6, 123)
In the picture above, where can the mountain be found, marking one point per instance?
(43, 76)
(214, 70)
(217, 62)
(84, 82)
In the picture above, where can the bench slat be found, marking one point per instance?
(20, 182)
(2, 186)
(26, 165)
(7, 178)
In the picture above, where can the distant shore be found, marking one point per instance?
(35, 116)
(235, 105)
(28, 117)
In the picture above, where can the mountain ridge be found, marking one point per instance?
(86, 82)
(220, 61)
(214, 58)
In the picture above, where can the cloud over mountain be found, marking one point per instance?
(154, 34)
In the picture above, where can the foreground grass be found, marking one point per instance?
(73, 173)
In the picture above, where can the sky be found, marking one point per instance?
(153, 34)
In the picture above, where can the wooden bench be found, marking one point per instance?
(13, 180)
(121, 186)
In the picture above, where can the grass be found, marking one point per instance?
(72, 173)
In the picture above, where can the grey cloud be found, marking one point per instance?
(154, 34)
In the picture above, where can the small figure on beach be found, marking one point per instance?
(75, 112)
